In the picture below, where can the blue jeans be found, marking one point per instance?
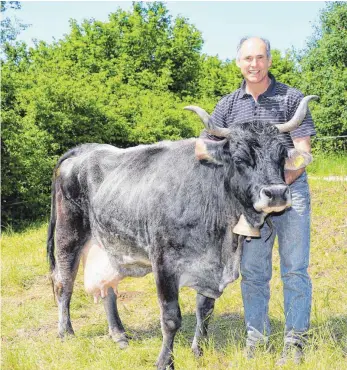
(293, 230)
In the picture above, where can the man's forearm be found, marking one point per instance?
(291, 176)
(303, 144)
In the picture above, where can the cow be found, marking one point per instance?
(169, 208)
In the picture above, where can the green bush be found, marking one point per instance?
(126, 81)
(324, 72)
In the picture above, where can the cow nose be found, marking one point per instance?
(267, 193)
(275, 192)
(273, 198)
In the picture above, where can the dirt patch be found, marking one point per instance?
(129, 296)
(36, 332)
(39, 290)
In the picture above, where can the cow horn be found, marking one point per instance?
(299, 115)
(207, 121)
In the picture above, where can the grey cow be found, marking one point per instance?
(167, 208)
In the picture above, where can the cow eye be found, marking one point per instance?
(244, 162)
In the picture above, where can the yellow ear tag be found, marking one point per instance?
(299, 161)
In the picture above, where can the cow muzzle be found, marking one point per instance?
(274, 198)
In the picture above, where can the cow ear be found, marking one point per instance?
(297, 159)
(205, 150)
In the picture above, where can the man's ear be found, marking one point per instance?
(205, 150)
(238, 62)
(297, 159)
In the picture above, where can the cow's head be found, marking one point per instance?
(255, 157)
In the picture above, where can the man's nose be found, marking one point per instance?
(254, 62)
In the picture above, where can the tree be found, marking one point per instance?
(10, 28)
(217, 78)
(324, 72)
(125, 82)
(283, 68)
(118, 82)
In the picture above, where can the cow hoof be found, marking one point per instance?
(68, 333)
(198, 352)
(120, 339)
(165, 362)
(165, 367)
(122, 344)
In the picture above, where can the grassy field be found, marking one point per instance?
(29, 314)
(326, 165)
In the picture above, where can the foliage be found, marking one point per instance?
(119, 82)
(218, 78)
(324, 72)
(125, 82)
(283, 68)
(10, 27)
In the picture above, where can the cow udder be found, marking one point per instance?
(99, 274)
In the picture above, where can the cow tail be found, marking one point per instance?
(51, 230)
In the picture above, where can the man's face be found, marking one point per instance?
(253, 62)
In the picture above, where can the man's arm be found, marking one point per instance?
(303, 144)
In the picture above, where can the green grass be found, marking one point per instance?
(328, 165)
(29, 314)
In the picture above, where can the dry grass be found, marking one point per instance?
(29, 314)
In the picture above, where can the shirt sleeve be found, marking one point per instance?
(218, 118)
(307, 126)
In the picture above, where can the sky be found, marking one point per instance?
(285, 24)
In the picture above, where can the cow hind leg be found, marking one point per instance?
(116, 329)
(64, 297)
(167, 288)
(204, 310)
(63, 279)
(71, 234)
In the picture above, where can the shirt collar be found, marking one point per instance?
(269, 92)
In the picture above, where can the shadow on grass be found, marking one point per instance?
(228, 329)
(224, 330)
(333, 330)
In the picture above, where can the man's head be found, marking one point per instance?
(254, 59)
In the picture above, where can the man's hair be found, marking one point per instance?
(266, 42)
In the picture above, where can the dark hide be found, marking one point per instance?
(157, 208)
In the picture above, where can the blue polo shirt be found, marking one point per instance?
(276, 105)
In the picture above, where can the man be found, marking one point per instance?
(261, 97)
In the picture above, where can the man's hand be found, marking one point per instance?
(300, 143)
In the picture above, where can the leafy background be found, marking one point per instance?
(125, 82)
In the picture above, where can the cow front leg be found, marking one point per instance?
(167, 288)
(204, 310)
(115, 326)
